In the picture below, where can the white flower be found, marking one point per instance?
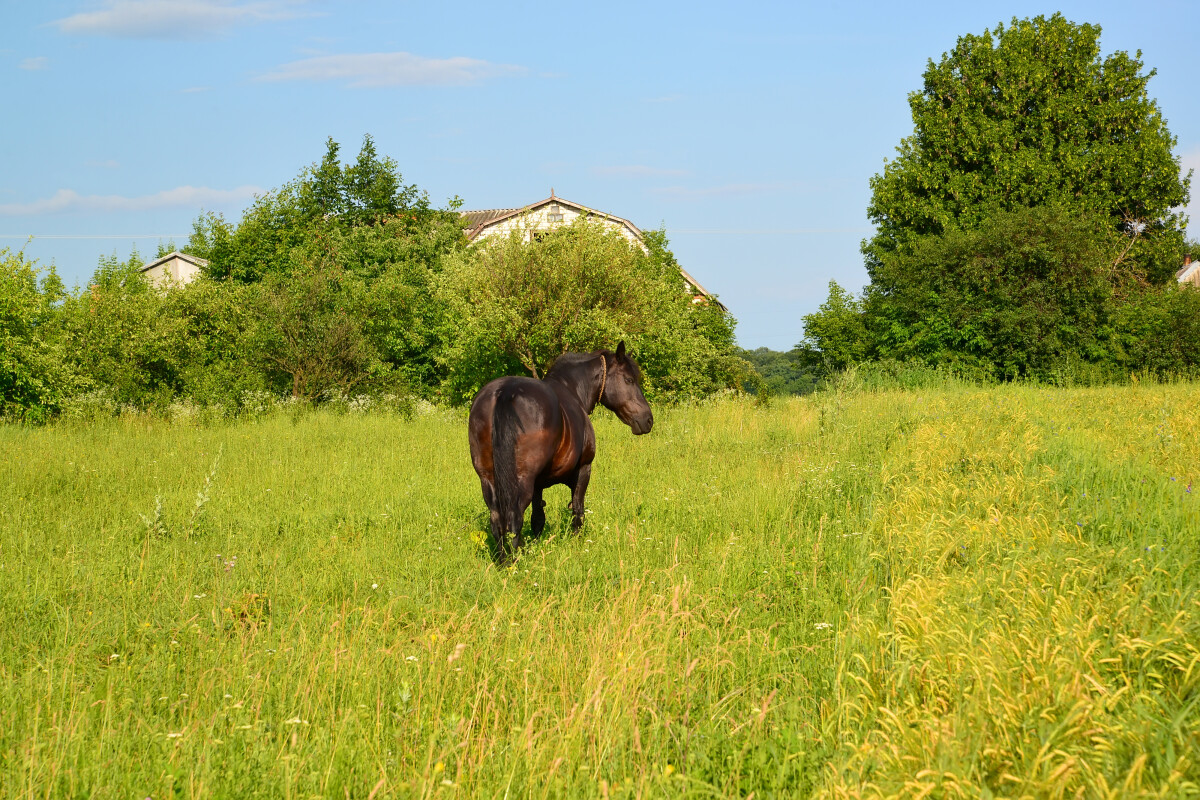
(823, 625)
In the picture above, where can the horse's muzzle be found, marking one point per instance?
(642, 424)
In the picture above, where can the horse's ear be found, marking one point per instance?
(621, 349)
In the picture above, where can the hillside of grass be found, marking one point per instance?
(941, 592)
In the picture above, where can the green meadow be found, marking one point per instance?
(948, 592)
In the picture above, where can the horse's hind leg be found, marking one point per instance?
(537, 519)
(577, 492)
(498, 534)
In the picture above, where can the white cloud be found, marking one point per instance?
(639, 171)
(37, 62)
(172, 19)
(66, 201)
(391, 69)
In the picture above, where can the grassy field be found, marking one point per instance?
(951, 592)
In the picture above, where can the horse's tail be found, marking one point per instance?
(505, 427)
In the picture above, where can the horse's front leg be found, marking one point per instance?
(577, 493)
(537, 519)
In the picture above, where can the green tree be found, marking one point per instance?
(380, 237)
(35, 376)
(307, 334)
(122, 337)
(1033, 115)
(1024, 294)
(835, 336)
(514, 306)
(781, 373)
(365, 202)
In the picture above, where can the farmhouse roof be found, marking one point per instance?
(479, 221)
(1189, 272)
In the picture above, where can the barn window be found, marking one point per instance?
(555, 213)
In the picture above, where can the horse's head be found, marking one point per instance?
(622, 393)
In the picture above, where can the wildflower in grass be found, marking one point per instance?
(823, 625)
(439, 768)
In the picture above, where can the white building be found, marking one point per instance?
(1190, 273)
(173, 269)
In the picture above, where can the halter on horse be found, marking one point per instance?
(528, 434)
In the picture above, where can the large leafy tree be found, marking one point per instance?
(350, 239)
(1034, 115)
(381, 221)
(513, 306)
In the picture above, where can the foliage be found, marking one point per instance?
(514, 306)
(307, 333)
(948, 592)
(381, 220)
(141, 347)
(1030, 294)
(781, 373)
(1156, 333)
(382, 239)
(835, 335)
(1032, 115)
(1025, 292)
(34, 374)
(1028, 226)
(333, 285)
(122, 337)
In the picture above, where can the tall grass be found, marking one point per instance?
(945, 591)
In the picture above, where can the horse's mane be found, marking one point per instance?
(568, 361)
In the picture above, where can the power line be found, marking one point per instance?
(94, 235)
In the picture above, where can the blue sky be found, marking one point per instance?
(749, 131)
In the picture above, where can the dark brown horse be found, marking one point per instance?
(528, 434)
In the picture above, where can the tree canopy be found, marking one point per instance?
(514, 306)
(1029, 225)
(1034, 115)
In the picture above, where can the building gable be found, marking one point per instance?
(173, 269)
